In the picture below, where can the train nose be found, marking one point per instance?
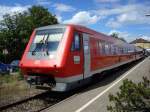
(39, 64)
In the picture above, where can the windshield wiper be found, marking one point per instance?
(41, 41)
(46, 45)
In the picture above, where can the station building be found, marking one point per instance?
(141, 43)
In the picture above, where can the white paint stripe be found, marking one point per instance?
(103, 92)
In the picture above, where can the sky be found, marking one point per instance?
(126, 17)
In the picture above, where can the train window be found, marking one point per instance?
(109, 48)
(103, 48)
(125, 50)
(47, 40)
(97, 48)
(106, 49)
(119, 50)
(76, 43)
(100, 47)
(112, 49)
(115, 50)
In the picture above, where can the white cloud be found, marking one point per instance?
(11, 9)
(43, 2)
(121, 9)
(59, 18)
(127, 36)
(128, 18)
(63, 7)
(112, 23)
(105, 1)
(125, 14)
(132, 14)
(120, 34)
(84, 18)
(115, 11)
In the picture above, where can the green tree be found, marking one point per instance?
(115, 35)
(16, 29)
(132, 97)
(39, 16)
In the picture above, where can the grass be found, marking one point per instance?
(14, 88)
(10, 85)
(10, 79)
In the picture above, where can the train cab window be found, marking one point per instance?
(76, 42)
(47, 40)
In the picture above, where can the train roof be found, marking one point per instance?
(100, 35)
(52, 26)
(89, 31)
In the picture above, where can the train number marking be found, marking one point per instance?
(76, 59)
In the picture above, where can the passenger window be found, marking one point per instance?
(106, 49)
(103, 48)
(76, 43)
(100, 47)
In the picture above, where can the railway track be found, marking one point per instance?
(48, 99)
(4, 107)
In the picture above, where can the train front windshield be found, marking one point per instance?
(47, 40)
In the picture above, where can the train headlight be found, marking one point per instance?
(51, 56)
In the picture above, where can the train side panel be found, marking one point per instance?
(81, 53)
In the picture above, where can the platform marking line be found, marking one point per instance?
(103, 92)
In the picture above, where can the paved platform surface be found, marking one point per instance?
(95, 98)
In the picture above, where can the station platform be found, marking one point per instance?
(95, 98)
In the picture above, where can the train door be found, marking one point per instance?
(87, 60)
(75, 60)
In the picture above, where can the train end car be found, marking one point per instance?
(63, 57)
(47, 59)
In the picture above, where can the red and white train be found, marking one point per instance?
(66, 56)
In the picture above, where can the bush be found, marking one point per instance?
(16, 28)
(132, 97)
(7, 78)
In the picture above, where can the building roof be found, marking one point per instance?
(140, 40)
